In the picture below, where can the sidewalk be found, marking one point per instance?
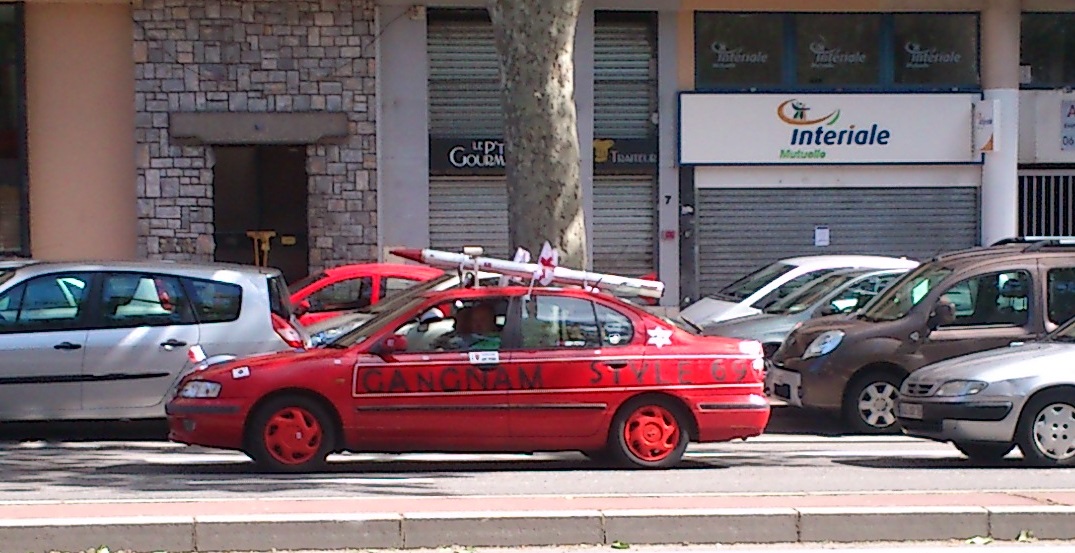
(423, 522)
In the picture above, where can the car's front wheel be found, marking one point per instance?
(290, 434)
(984, 452)
(1046, 432)
(649, 432)
(870, 402)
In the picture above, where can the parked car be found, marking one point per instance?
(762, 288)
(326, 330)
(334, 291)
(509, 369)
(111, 340)
(988, 402)
(842, 291)
(958, 303)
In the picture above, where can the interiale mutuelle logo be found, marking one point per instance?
(923, 58)
(807, 130)
(728, 58)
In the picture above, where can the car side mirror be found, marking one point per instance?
(302, 308)
(944, 313)
(388, 346)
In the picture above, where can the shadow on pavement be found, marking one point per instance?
(957, 463)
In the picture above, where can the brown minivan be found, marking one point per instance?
(957, 303)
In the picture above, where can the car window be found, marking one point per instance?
(559, 322)
(897, 301)
(991, 299)
(354, 293)
(616, 328)
(754, 281)
(809, 294)
(860, 293)
(279, 299)
(468, 325)
(130, 300)
(304, 282)
(214, 301)
(1061, 300)
(790, 287)
(391, 285)
(51, 302)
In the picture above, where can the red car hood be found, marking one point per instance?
(280, 359)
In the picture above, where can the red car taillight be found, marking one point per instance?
(287, 332)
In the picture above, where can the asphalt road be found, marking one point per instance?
(797, 455)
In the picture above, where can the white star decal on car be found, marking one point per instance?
(660, 337)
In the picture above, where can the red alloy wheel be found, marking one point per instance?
(293, 436)
(651, 433)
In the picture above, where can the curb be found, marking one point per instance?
(533, 528)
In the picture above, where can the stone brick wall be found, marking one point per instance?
(254, 56)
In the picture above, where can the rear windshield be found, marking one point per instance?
(214, 301)
(279, 299)
(753, 282)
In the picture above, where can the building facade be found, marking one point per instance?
(720, 134)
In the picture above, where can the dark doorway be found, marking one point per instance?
(262, 188)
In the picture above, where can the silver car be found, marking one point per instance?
(988, 402)
(840, 292)
(110, 340)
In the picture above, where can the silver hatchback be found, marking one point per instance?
(988, 402)
(110, 340)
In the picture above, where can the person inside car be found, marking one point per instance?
(475, 329)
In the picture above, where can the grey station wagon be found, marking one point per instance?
(110, 340)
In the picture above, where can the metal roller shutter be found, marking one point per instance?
(464, 77)
(1047, 202)
(469, 211)
(625, 223)
(742, 229)
(625, 76)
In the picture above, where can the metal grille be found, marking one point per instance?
(741, 229)
(625, 224)
(918, 389)
(469, 211)
(464, 77)
(625, 75)
(1047, 203)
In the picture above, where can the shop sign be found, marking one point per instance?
(485, 156)
(826, 57)
(1067, 125)
(919, 57)
(730, 58)
(772, 129)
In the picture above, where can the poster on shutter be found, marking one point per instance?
(1067, 125)
(821, 236)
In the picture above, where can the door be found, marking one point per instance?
(567, 354)
(262, 188)
(42, 345)
(138, 344)
(448, 389)
(992, 310)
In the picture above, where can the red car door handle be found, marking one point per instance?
(616, 364)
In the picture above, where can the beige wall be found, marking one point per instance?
(80, 112)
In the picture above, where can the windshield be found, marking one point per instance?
(304, 282)
(895, 302)
(810, 294)
(375, 324)
(753, 282)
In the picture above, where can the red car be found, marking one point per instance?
(491, 369)
(348, 287)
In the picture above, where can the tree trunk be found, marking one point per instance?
(535, 40)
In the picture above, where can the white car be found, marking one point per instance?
(756, 291)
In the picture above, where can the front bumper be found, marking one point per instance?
(207, 423)
(805, 383)
(981, 420)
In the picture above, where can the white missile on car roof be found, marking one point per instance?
(473, 260)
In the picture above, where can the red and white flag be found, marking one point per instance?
(546, 264)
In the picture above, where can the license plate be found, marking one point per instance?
(910, 411)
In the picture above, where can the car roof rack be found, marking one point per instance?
(472, 260)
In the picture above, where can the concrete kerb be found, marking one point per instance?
(533, 528)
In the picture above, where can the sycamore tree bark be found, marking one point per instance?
(535, 41)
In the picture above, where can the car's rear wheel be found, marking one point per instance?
(984, 452)
(870, 403)
(1046, 431)
(649, 432)
(291, 434)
